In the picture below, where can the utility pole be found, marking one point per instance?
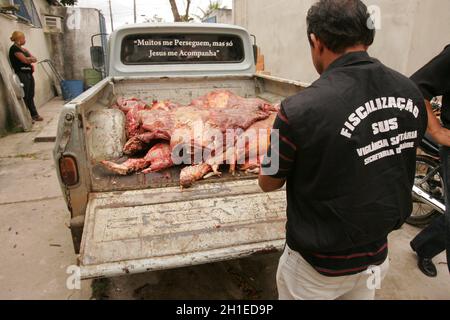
(111, 16)
(135, 16)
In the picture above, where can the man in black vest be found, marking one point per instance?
(434, 80)
(347, 151)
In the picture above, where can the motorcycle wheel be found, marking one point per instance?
(422, 214)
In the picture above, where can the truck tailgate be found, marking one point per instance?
(163, 228)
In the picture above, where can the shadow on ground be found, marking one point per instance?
(251, 278)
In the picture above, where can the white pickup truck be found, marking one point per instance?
(141, 223)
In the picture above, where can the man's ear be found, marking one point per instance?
(317, 44)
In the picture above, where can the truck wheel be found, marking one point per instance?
(423, 214)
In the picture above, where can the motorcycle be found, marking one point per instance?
(428, 190)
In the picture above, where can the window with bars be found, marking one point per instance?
(27, 12)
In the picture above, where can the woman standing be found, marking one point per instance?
(22, 63)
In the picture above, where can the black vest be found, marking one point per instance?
(357, 129)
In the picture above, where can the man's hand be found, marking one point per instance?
(440, 134)
(269, 184)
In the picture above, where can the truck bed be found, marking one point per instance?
(156, 229)
(140, 223)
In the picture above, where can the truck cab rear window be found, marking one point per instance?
(142, 49)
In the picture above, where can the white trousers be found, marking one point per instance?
(298, 280)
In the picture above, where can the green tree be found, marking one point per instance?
(212, 6)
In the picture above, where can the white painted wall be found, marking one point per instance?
(5, 113)
(39, 45)
(412, 32)
(77, 41)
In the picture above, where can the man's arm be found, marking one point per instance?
(269, 184)
(285, 153)
(440, 134)
(433, 80)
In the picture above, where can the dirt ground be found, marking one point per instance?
(37, 247)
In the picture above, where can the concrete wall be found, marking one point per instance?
(412, 32)
(39, 45)
(74, 45)
(5, 112)
(78, 40)
(69, 51)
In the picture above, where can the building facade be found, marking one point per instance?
(410, 33)
(68, 47)
(30, 22)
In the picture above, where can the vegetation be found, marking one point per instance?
(213, 5)
(176, 13)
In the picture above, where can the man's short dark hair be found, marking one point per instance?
(340, 24)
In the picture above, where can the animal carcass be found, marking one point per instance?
(211, 126)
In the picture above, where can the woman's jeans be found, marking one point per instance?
(28, 87)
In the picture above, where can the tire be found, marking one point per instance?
(422, 214)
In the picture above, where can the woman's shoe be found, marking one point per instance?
(38, 118)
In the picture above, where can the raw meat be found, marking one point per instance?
(196, 125)
(203, 128)
(191, 174)
(129, 166)
(125, 105)
(158, 158)
(132, 107)
(249, 154)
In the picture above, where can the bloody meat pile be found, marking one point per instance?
(218, 128)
